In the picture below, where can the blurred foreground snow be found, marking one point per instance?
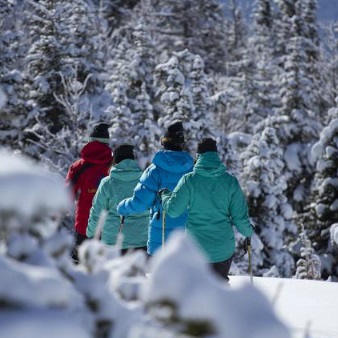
(43, 294)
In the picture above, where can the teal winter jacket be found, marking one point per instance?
(215, 204)
(117, 186)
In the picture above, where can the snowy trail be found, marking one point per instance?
(304, 306)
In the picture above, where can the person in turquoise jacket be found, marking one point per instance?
(215, 203)
(120, 183)
(168, 166)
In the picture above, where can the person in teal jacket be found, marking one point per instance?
(120, 184)
(215, 203)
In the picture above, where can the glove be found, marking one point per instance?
(160, 192)
(247, 243)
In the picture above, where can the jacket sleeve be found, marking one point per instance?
(145, 194)
(175, 203)
(100, 203)
(239, 210)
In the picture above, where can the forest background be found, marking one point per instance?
(263, 84)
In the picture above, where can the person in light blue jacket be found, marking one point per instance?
(120, 183)
(167, 167)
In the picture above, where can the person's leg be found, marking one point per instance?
(222, 268)
(79, 239)
(124, 251)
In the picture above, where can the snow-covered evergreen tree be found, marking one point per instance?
(210, 39)
(121, 120)
(143, 60)
(187, 24)
(297, 33)
(223, 97)
(83, 35)
(201, 123)
(236, 39)
(316, 84)
(142, 92)
(58, 151)
(265, 186)
(169, 27)
(261, 45)
(325, 152)
(296, 103)
(44, 60)
(324, 196)
(334, 233)
(119, 113)
(118, 13)
(14, 115)
(329, 64)
(309, 265)
(285, 12)
(147, 133)
(131, 87)
(236, 90)
(66, 40)
(184, 94)
(234, 144)
(170, 82)
(244, 107)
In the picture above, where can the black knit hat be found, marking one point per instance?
(123, 152)
(173, 138)
(100, 133)
(207, 144)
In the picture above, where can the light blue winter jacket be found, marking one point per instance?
(216, 203)
(118, 185)
(166, 170)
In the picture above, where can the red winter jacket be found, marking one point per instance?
(84, 177)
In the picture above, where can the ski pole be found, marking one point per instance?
(163, 228)
(119, 239)
(122, 218)
(249, 257)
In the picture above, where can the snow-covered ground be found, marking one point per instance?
(308, 308)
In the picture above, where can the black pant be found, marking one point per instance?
(79, 239)
(124, 251)
(222, 268)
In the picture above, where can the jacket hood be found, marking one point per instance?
(209, 165)
(97, 153)
(126, 170)
(173, 161)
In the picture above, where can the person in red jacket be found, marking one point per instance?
(84, 177)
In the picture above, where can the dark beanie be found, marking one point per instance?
(100, 133)
(122, 152)
(207, 144)
(173, 138)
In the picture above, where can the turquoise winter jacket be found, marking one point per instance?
(118, 185)
(215, 203)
